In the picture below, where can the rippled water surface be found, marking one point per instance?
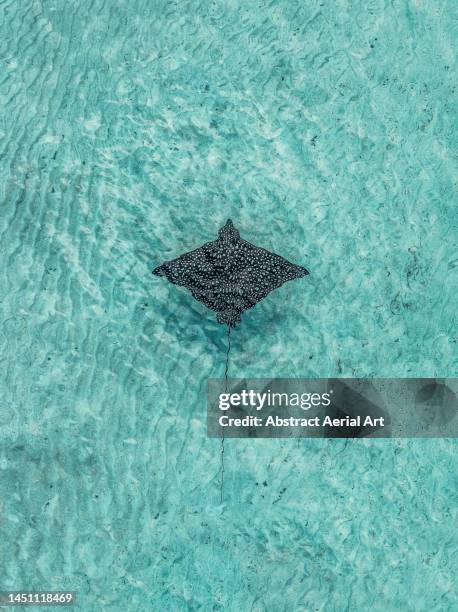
(129, 132)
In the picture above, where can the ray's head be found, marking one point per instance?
(228, 232)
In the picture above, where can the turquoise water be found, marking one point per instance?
(130, 131)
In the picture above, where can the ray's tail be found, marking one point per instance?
(222, 431)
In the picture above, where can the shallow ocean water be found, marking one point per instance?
(130, 132)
